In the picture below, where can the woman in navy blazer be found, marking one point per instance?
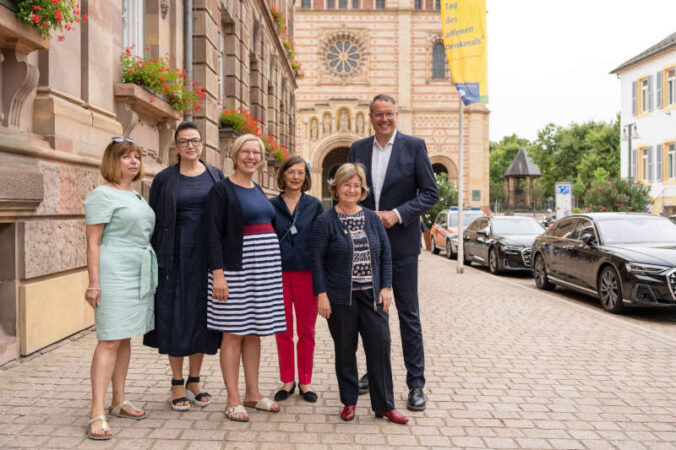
(178, 196)
(295, 211)
(352, 278)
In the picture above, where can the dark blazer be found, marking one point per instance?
(332, 253)
(409, 187)
(163, 193)
(225, 227)
(295, 248)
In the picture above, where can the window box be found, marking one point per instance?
(14, 34)
(145, 103)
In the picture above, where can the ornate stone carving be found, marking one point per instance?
(360, 124)
(343, 122)
(343, 56)
(164, 8)
(19, 78)
(327, 124)
(314, 130)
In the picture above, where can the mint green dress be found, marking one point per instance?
(127, 262)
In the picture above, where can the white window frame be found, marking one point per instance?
(644, 95)
(133, 26)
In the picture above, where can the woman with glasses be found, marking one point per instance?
(245, 298)
(352, 278)
(178, 196)
(122, 278)
(295, 212)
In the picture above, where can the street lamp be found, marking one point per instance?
(628, 136)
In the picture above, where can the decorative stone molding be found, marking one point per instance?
(134, 102)
(164, 8)
(19, 78)
(15, 35)
(334, 58)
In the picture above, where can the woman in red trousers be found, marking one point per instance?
(295, 212)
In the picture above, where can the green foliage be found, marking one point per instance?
(448, 196)
(586, 153)
(617, 195)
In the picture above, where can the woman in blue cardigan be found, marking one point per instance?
(352, 278)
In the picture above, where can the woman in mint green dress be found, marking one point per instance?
(122, 278)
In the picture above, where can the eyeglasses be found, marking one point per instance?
(387, 115)
(118, 139)
(255, 154)
(186, 142)
(351, 186)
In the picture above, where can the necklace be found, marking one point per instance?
(120, 187)
(344, 211)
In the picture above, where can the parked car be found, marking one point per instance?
(673, 218)
(444, 233)
(623, 259)
(501, 242)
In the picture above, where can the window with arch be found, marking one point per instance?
(437, 4)
(355, 4)
(418, 4)
(342, 4)
(330, 4)
(438, 61)
(380, 4)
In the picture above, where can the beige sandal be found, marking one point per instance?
(104, 426)
(264, 404)
(239, 409)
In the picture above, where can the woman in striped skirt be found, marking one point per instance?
(245, 299)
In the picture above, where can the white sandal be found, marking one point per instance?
(239, 409)
(264, 404)
(119, 412)
(104, 427)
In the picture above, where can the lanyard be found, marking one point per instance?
(293, 222)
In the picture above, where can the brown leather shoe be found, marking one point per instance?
(394, 416)
(348, 413)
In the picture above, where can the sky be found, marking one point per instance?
(549, 61)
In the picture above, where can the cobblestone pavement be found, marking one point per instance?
(507, 367)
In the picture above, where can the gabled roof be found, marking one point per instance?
(522, 166)
(664, 44)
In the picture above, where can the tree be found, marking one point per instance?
(448, 196)
(617, 195)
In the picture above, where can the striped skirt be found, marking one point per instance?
(255, 304)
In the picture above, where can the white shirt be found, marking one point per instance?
(379, 161)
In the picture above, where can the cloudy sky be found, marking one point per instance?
(548, 61)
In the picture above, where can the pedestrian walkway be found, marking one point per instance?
(507, 367)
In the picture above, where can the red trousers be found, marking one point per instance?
(297, 296)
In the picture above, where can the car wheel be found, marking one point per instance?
(540, 274)
(449, 250)
(465, 260)
(610, 290)
(494, 264)
(435, 250)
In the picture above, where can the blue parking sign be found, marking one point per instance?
(563, 189)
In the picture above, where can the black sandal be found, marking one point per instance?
(196, 399)
(308, 396)
(283, 395)
(174, 402)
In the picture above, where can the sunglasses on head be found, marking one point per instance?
(118, 139)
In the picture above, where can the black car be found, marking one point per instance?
(501, 242)
(622, 258)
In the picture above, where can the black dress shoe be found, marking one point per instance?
(416, 399)
(364, 384)
(308, 396)
(283, 395)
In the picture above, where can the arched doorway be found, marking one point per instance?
(439, 169)
(331, 162)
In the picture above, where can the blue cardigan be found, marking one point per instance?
(295, 248)
(332, 252)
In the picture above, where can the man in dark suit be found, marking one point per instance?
(402, 184)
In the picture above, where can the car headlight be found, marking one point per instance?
(512, 248)
(644, 268)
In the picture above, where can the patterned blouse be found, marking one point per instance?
(362, 277)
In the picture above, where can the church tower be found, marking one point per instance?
(352, 50)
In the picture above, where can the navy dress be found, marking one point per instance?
(181, 314)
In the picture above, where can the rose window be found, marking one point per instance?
(343, 57)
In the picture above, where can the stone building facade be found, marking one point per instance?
(62, 99)
(352, 50)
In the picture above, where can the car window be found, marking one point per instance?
(585, 226)
(565, 229)
(467, 218)
(441, 219)
(481, 223)
(474, 225)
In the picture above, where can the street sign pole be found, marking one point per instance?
(461, 197)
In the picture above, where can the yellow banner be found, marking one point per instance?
(464, 27)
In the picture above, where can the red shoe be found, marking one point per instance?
(394, 416)
(348, 413)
